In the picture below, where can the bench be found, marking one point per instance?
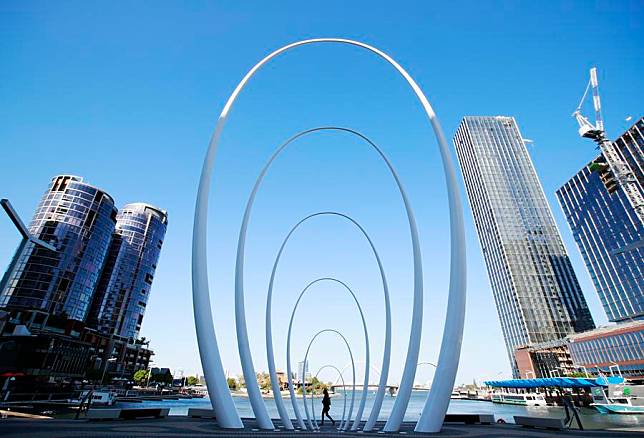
(201, 413)
(469, 418)
(545, 423)
(131, 414)
(103, 414)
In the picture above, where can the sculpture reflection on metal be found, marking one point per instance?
(239, 277)
(289, 368)
(435, 407)
(353, 376)
(344, 392)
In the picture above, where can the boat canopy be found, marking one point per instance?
(559, 382)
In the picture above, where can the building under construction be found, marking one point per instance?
(607, 228)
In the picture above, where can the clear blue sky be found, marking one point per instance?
(126, 94)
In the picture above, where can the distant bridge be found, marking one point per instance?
(373, 386)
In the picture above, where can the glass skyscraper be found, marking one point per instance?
(607, 230)
(78, 219)
(124, 287)
(536, 291)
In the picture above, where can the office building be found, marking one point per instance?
(78, 219)
(537, 295)
(611, 350)
(616, 349)
(607, 230)
(124, 288)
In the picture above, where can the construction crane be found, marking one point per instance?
(620, 170)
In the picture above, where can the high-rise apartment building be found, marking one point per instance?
(78, 220)
(78, 255)
(535, 288)
(124, 288)
(608, 232)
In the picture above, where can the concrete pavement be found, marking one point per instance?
(196, 427)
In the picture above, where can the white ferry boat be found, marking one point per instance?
(528, 399)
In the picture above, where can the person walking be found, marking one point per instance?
(326, 405)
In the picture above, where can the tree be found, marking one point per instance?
(232, 383)
(192, 380)
(264, 381)
(317, 386)
(241, 383)
(141, 377)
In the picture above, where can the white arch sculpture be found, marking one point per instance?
(435, 407)
(239, 278)
(289, 367)
(344, 392)
(353, 393)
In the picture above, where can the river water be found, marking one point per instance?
(590, 418)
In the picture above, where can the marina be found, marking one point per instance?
(590, 417)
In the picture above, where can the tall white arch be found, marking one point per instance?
(434, 410)
(239, 277)
(386, 354)
(289, 368)
(353, 395)
(344, 393)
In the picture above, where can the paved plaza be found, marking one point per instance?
(194, 427)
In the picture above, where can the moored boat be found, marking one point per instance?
(615, 405)
(527, 399)
(96, 398)
(618, 408)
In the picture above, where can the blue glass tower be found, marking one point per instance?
(607, 231)
(537, 295)
(124, 288)
(78, 220)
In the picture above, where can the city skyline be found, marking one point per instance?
(176, 190)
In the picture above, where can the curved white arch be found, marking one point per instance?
(353, 393)
(239, 280)
(344, 405)
(372, 368)
(427, 363)
(289, 368)
(438, 400)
